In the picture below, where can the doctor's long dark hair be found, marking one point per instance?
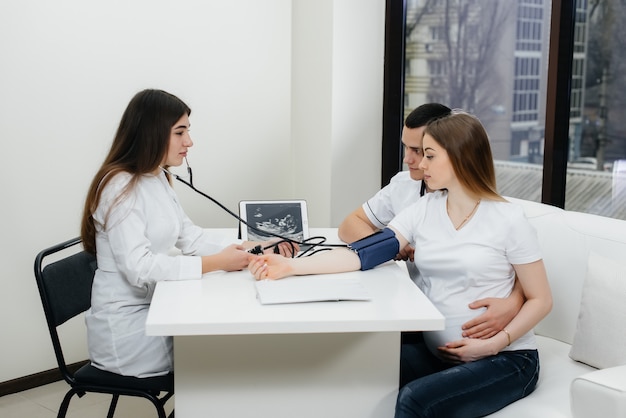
(138, 148)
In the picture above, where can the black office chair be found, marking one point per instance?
(65, 290)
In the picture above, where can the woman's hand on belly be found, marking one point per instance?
(468, 349)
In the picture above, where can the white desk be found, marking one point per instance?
(237, 358)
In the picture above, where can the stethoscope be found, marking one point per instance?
(311, 242)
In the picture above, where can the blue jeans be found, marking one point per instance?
(431, 388)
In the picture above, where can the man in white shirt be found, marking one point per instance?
(404, 189)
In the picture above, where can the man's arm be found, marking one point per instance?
(500, 311)
(356, 226)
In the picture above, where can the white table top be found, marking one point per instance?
(224, 303)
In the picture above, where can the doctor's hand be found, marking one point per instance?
(269, 266)
(233, 258)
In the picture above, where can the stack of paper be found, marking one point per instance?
(310, 289)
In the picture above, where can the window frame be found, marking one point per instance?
(560, 63)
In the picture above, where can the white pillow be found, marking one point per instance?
(600, 339)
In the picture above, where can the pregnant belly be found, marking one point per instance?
(452, 332)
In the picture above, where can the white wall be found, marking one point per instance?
(286, 99)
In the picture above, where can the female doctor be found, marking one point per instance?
(469, 243)
(131, 220)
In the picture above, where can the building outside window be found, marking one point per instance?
(490, 57)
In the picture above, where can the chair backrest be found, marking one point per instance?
(65, 290)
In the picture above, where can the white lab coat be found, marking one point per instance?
(134, 252)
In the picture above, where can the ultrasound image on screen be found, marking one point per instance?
(283, 219)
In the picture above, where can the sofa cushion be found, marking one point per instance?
(601, 332)
(551, 396)
(600, 394)
(565, 258)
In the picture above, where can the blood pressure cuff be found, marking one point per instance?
(377, 248)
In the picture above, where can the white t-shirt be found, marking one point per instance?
(475, 262)
(401, 192)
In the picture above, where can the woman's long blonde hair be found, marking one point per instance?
(465, 140)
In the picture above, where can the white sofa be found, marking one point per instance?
(569, 388)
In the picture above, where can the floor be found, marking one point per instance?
(44, 401)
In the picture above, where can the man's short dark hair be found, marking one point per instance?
(421, 115)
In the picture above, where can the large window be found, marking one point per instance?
(543, 78)
(596, 174)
